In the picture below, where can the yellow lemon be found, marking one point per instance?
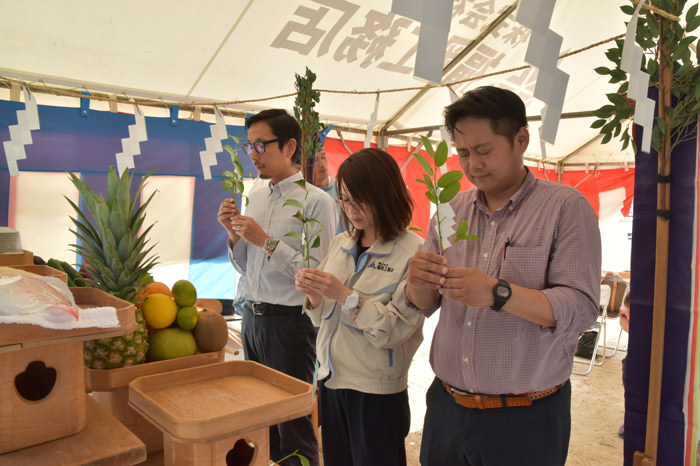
(184, 293)
(159, 310)
(187, 317)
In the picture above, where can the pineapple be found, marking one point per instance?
(116, 257)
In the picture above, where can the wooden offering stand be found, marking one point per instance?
(110, 388)
(215, 414)
(42, 391)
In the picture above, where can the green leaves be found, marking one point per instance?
(306, 116)
(310, 227)
(462, 229)
(233, 180)
(294, 203)
(443, 189)
(665, 43)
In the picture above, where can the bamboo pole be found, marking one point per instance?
(663, 204)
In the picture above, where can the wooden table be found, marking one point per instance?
(103, 442)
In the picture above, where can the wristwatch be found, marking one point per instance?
(352, 303)
(270, 246)
(501, 294)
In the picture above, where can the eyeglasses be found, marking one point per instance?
(259, 146)
(345, 203)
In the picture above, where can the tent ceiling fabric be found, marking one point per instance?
(239, 51)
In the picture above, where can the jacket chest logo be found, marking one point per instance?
(378, 265)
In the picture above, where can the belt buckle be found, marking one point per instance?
(256, 307)
(459, 392)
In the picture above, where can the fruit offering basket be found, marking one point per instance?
(205, 412)
(109, 387)
(42, 385)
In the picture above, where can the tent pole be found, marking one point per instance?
(663, 205)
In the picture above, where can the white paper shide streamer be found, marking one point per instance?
(543, 52)
(213, 144)
(131, 145)
(446, 219)
(21, 133)
(638, 81)
(372, 123)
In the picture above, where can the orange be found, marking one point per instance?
(153, 287)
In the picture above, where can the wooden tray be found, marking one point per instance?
(106, 380)
(218, 400)
(20, 258)
(43, 270)
(17, 336)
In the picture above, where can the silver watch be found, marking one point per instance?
(270, 246)
(353, 301)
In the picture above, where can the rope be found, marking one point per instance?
(160, 102)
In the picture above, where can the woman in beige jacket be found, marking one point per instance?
(367, 336)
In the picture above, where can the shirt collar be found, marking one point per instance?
(379, 248)
(286, 186)
(515, 199)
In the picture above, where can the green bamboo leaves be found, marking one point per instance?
(233, 180)
(310, 227)
(441, 190)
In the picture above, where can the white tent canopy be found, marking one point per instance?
(244, 54)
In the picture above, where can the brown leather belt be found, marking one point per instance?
(478, 401)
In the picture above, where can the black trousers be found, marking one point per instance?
(287, 343)
(363, 429)
(536, 435)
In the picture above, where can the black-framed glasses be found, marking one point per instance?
(259, 146)
(345, 203)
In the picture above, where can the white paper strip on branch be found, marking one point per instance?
(372, 123)
(446, 217)
(131, 145)
(435, 17)
(543, 52)
(212, 145)
(21, 133)
(631, 62)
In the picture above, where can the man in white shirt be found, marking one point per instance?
(275, 332)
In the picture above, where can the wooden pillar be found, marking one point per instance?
(663, 204)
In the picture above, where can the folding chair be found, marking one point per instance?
(600, 326)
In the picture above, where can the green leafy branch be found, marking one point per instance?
(441, 189)
(304, 461)
(233, 180)
(660, 39)
(310, 227)
(308, 119)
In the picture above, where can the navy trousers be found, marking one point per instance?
(363, 429)
(287, 343)
(536, 435)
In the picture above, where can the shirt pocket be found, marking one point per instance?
(525, 266)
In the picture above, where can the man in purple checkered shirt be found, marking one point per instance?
(512, 303)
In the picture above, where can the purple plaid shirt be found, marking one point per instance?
(554, 247)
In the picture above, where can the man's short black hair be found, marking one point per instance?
(283, 126)
(502, 107)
